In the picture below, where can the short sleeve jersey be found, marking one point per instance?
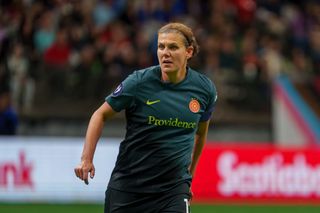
(162, 119)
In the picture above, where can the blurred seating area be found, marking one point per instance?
(60, 58)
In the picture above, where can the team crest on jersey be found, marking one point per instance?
(118, 90)
(194, 106)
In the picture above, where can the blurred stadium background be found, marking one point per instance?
(60, 58)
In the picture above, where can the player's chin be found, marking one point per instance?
(167, 68)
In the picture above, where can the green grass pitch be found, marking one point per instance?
(85, 208)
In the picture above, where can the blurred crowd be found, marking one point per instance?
(80, 49)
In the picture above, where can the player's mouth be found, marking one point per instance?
(166, 62)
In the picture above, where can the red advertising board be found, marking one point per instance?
(257, 173)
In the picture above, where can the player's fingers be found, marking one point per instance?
(191, 195)
(85, 176)
(77, 172)
(86, 182)
(92, 172)
(80, 173)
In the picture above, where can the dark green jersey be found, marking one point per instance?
(162, 119)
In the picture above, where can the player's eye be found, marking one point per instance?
(160, 46)
(173, 47)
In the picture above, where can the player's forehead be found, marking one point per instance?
(170, 38)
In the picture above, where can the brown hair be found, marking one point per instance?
(185, 31)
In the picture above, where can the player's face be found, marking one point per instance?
(172, 52)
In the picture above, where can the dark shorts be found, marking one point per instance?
(174, 201)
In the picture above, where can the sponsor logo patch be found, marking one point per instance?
(152, 102)
(118, 90)
(172, 122)
(194, 106)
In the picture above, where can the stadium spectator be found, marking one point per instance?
(271, 58)
(168, 110)
(4, 78)
(88, 74)
(103, 14)
(299, 67)
(58, 53)
(22, 84)
(45, 32)
(8, 116)
(56, 60)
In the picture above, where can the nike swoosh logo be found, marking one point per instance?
(152, 102)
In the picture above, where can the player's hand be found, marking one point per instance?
(83, 169)
(191, 194)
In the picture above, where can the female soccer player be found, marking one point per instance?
(168, 108)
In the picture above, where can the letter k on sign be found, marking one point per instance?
(152, 102)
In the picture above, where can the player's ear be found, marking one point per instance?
(189, 52)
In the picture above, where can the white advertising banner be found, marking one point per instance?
(41, 169)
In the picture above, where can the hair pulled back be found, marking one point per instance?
(185, 31)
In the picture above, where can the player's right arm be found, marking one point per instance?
(93, 134)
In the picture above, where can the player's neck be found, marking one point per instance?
(174, 77)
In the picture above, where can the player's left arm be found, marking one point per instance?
(200, 139)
